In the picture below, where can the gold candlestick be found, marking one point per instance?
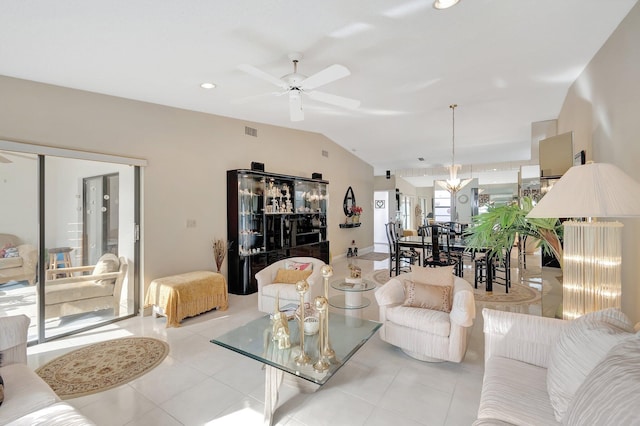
(327, 350)
(303, 359)
(321, 306)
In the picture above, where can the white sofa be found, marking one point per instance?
(425, 334)
(28, 400)
(545, 371)
(268, 290)
(18, 268)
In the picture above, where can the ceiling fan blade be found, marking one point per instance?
(334, 99)
(326, 76)
(256, 72)
(295, 106)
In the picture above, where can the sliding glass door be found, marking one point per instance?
(90, 243)
(68, 238)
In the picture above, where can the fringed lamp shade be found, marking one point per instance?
(592, 260)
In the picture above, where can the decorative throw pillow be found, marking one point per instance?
(427, 296)
(298, 266)
(580, 347)
(610, 394)
(11, 252)
(442, 276)
(108, 262)
(290, 276)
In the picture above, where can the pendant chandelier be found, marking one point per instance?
(453, 184)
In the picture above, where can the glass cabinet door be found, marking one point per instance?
(250, 214)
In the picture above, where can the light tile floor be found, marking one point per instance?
(200, 383)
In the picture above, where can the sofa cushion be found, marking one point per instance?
(26, 392)
(610, 394)
(515, 392)
(10, 262)
(427, 296)
(108, 262)
(291, 276)
(434, 322)
(283, 291)
(581, 345)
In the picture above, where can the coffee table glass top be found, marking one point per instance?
(253, 339)
(365, 285)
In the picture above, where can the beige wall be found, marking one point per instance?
(188, 154)
(602, 109)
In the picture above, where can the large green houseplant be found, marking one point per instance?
(497, 230)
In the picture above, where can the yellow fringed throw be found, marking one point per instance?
(187, 295)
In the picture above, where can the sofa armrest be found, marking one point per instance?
(522, 337)
(13, 339)
(463, 308)
(392, 293)
(29, 255)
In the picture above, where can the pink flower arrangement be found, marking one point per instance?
(356, 210)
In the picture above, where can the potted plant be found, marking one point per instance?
(497, 229)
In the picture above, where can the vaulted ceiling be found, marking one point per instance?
(505, 63)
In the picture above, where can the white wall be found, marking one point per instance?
(601, 108)
(188, 154)
(19, 198)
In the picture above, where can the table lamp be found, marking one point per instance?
(591, 264)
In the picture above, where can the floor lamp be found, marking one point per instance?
(592, 259)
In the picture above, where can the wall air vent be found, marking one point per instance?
(250, 131)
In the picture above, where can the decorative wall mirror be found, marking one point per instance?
(349, 201)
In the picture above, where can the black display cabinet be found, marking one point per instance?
(271, 217)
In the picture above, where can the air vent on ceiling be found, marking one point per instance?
(250, 131)
(325, 153)
(420, 158)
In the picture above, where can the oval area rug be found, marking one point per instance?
(102, 366)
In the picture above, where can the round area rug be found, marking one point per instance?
(102, 366)
(381, 276)
(518, 293)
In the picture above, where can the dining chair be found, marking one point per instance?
(406, 257)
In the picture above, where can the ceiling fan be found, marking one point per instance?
(296, 85)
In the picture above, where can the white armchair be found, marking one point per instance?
(425, 334)
(268, 290)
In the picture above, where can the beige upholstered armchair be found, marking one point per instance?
(426, 334)
(272, 283)
(22, 267)
(86, 293)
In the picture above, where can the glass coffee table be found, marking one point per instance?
(254, 340)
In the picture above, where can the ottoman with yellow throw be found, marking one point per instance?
(186, 295)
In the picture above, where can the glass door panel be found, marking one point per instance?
(89, 243)
(19, 236)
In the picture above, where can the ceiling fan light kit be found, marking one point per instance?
(296, 85)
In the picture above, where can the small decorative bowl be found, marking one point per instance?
(311, 325)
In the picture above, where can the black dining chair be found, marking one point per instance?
(406, 258)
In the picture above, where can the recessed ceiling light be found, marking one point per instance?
(208, 85)
(444, 4)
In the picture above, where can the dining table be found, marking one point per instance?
(435, 243)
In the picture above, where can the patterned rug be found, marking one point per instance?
(375, 256)
(101, 366)
(518, 293)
